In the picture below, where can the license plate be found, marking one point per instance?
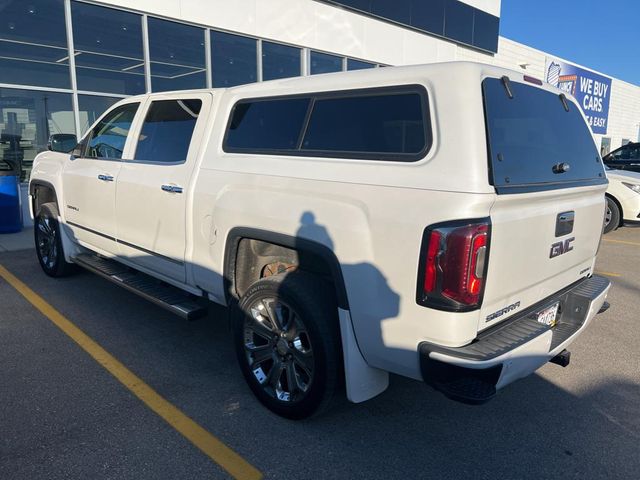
(549, 314)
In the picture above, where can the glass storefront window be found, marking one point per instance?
(177, 56)
(398, 10)
(324, 63)
(451, 19)
(108, 49)
(233, 59)
(458, 21)
(33, 43)
(428, 16)
(27, 119)
(280, 61)
(485, 30)
(91, 107)
(358, 64)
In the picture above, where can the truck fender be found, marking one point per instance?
(363, 382)
(69, 246)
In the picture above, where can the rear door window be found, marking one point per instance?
(167, 130)
(531, 134)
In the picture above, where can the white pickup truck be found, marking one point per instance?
(439, 222)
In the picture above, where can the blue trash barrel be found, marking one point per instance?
(10, 204)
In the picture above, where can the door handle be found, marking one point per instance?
(171, 188)
(105, 178)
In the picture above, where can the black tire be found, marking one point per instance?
(611, 216)
(48, 242)
(305, 354)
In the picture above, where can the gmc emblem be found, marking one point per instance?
(559, 248)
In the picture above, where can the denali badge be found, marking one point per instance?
(502, 311)
(559, 248)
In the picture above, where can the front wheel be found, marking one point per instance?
(48, 240)
(288, 345)
(611, 216)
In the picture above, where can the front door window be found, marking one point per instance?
(108, 137)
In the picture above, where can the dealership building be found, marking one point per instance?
(63, 62)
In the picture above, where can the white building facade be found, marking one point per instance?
(63, 62)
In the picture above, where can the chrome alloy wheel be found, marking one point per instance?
(47, 241)
(607, 215)
(278, 350)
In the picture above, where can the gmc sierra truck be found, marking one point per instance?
(439, 222)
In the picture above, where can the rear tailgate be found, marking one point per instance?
(548, 216)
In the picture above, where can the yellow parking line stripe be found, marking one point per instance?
(621, 241)
(609, 274)
(229, 460)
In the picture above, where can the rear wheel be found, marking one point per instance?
(611, 216)
(48, 240)
(288, 345)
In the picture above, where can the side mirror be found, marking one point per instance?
(62, 142)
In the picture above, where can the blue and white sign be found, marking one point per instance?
(592, 91)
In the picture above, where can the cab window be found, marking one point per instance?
(108, 137)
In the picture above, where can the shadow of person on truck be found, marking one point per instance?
(366, 287)
(359, 288)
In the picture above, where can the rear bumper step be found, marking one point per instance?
(514, 348)
(166, 296)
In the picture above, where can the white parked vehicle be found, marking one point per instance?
(439, 222)
(623, 199)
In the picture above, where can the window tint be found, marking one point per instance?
(367, 124)
(530, 134)
(108, 49)
(177, 56)
(485, 31)
(33, 43)
(280, 61)
(452, 19)
(358, 64)
(91, 107)
(324, 63)
(458, 21)
(267, 124)
(108, 137)
(379, 124)
(397, 10)
(364, 5)
(622, 154)
(167, 130)
(234, 59)
(428, 16)
(635, 153)
(27, 119)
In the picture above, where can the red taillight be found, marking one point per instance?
(454, 265)
(431, 273)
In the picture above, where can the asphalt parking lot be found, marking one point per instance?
(64, 416)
